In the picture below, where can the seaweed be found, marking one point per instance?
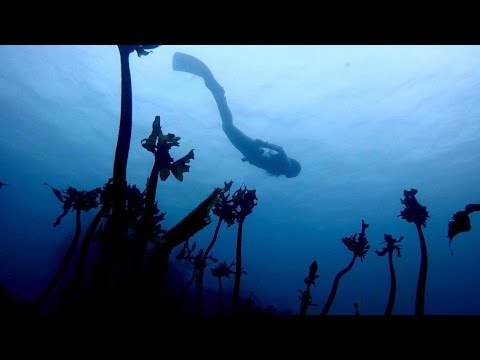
(418, 214)
(359, 247)
(460, 222)
(305, 296)
(391, 246)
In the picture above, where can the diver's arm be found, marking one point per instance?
(270, 146)
(280, 151)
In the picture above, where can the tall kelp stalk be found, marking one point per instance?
(305, 296)
(355, 305)
(418, 214)
(114, 280)
(187, 254)
(116, 243)
(222, 270)
(244, 200)
(198, 262)
(140, 215)
(460, 222)
(123, 141)
(390, 247)
(80, 266)
(359, 247)
(225, 210)
(160, 145)
(78, 201)
(142, 218)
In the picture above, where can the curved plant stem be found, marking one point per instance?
(123, 146)
(422, 276)
(203, 266)
(238, 270)
(66, 260)
(393, 285)
(336, 281)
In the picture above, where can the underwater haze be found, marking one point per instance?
(364, 122)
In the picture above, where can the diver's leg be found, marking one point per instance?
(240, 140)
(190, 64)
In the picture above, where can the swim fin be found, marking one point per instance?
(190, 64)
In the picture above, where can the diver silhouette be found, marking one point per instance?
(270, 157)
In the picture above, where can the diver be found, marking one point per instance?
(270, 157)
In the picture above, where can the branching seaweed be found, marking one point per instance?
(72, 199)
(359, 247)
(222, 270)
(188, 254)
(391, 245)
(460, 222)
(119, 178)
(418, 214)
(225, 210)
(305, 296)
(244, 201)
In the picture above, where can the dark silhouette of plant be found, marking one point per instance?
(305, 297)
(141, 212)
(359, 247)
(355, 304)
(160, 145)
(461, 222)
(222, 270)
(131, 218)
(2, 184)
(390, 247)
(418, 214)
(84, 246)
(78, 201)
(225, 210)
(249, 308)
(134, 209)
(123, 142)
(134, 213)
(187, 254)
(157, 265)
(244, 201)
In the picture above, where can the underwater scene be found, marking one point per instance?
(239, 180)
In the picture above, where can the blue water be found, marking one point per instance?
(366, 123)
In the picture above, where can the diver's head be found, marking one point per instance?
(294, 168)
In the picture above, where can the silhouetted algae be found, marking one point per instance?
(222, 270)
(359, 247)
(244, 200)
(355, 305)
(225, 210)
(390, 247)
(157, 266)
(460, 222)
(78, 201)
(187, 254)
(305, 297)
(124, 136)
(418, 214)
